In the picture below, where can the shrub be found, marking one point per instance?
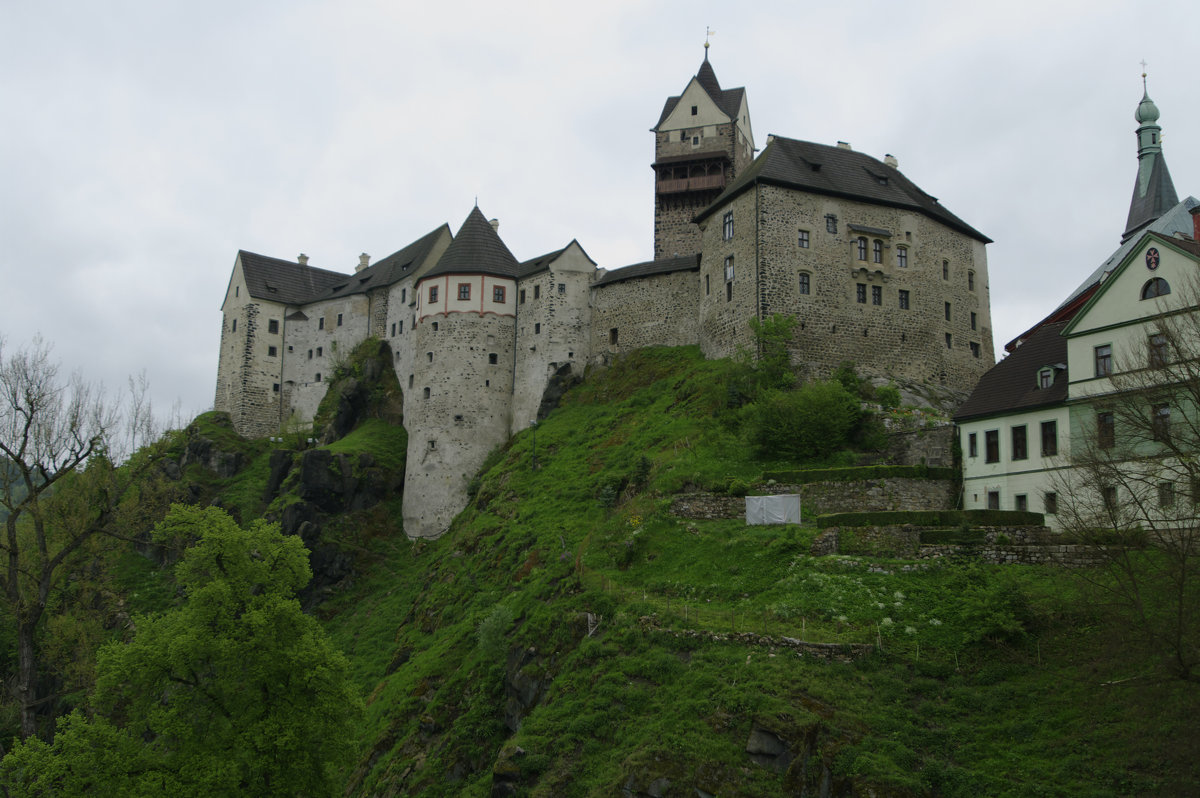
(888, 396)
(811, 422)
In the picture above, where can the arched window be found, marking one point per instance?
(1155, 286)
(877, 251)
(862, 248)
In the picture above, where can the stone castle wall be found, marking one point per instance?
(658, 310)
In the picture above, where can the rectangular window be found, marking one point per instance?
(498, 294)
(339, 320)
(970, 281)
(706, 285)
(492, 359)
(433, 294)
(902, 257)
(275, 387)
(521, 297)
(562, 289)
(273, 326)
(1104, 360)
(393, 329)
(537, 328)
(612, 336)
(974, 321)
(803, 239)
(321, 323)
(947, 311)
(1158, 351)
(537, 292)
(464, 290)
(429, 356)
(729, 269)
(877, 251)
(1106, 433)
(949, 341)
(1049, 438)
(1050, 503)
(991, 444)
(320, 351)
(1160, 422)
(860, 293)
(993, 500)
(945, 270)
(399, 328)
(972, 445)
(862, 248)
(728, 292)
(403, 295)
(1019, 450)
(1022, 502)
(975, 349)
(804, 283)
(903, 299)
(318, 379)
(1166, 495)
(272, 351)
(876, 295)
(830, 223)
(310, 354)
(1109, 494)
(727, 226)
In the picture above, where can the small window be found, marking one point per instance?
(537, 292)
(1109, 494)
(234, 326)
(273, 326)
(903, 299)
(947, 311)
(393, 329)
(830, 223)
(1158, 351)
(275, 388)
(321, 323)
(1160, 422)
(975, 351)
(991, 443)
(339, 320)
(237, 290)
(727, 226)
(318, 377)
(695, 110)
(521, 297)
(399, 328)
(972, 445)
(562, 289)
(537, 328)
(1045, 378)
(729, 269)
(1022, 502)
(272, 351)
(728, 292)
(1049, 438)
(949, 341)
(433, 444)
(435, 326)
(945, 270)
(320, 351)
(861, 245)
(695, 141)
(877, 251)
(612, 336)
(426, 393)
(1019, 448)
(970, 280)
(429, 356)
(860, 293)
(1166, 495)
(498, 295)
(993, 499)
(1105, 430)
(876, 295)
(464, 291)
(1050, 503)
(902, 257)
(403, 295)
(410, 380)
(805, 283)
(1154, 287)
(492, 359)
(1103, 360)
(433, 293)
(310, 354)
(803, 239)
(706, 285)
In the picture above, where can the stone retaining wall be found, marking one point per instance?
(998, 545)
(868, 495)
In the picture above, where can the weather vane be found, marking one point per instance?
(708, 32)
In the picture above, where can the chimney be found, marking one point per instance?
(770, 137)
(302, 259)
(495, 223)
(1195, 223)
(890, 160)
(844, 145)
(364, 260)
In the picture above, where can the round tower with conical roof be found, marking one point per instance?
(458, 398)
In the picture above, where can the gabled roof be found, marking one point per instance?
(838, 172)
(384, 272)
(477, 249)
(651, 267)
(284, 281)
(540, 263)
(728, 100)
(1011, 384)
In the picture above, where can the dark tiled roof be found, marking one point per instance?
(539, 264)
(1158, 198)
(283, 280)
(1011, 384)
(660, 266)
(728, 100)
(840, 172)
(389, 270)
(477, 249)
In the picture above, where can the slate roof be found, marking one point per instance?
(476, 249)
(284, 281)
(1011, 384)
(539, 264)
(835, 171)
(384, 272)
(1158, 197)
(651, 267)
(728, 100)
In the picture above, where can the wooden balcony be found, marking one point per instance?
(702, 183)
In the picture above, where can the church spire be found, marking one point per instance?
(1153, 192)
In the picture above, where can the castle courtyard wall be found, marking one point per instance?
(656, 310)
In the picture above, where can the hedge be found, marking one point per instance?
(951, 518)
(858, 473)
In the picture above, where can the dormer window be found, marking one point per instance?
(1045, 377)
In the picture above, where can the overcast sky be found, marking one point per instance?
(145, 141)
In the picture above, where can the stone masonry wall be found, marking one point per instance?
(817, 498)
(659, 310)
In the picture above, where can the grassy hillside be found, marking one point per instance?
(568, 636)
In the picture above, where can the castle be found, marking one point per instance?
(874, 270)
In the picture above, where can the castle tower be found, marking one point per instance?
(701, 143)
(458, 398)
(1153, 192)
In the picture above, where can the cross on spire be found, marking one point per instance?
(708, 32)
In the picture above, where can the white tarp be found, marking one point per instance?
(782, 509)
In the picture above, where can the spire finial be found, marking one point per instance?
(1144, 89)
(708, 32)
